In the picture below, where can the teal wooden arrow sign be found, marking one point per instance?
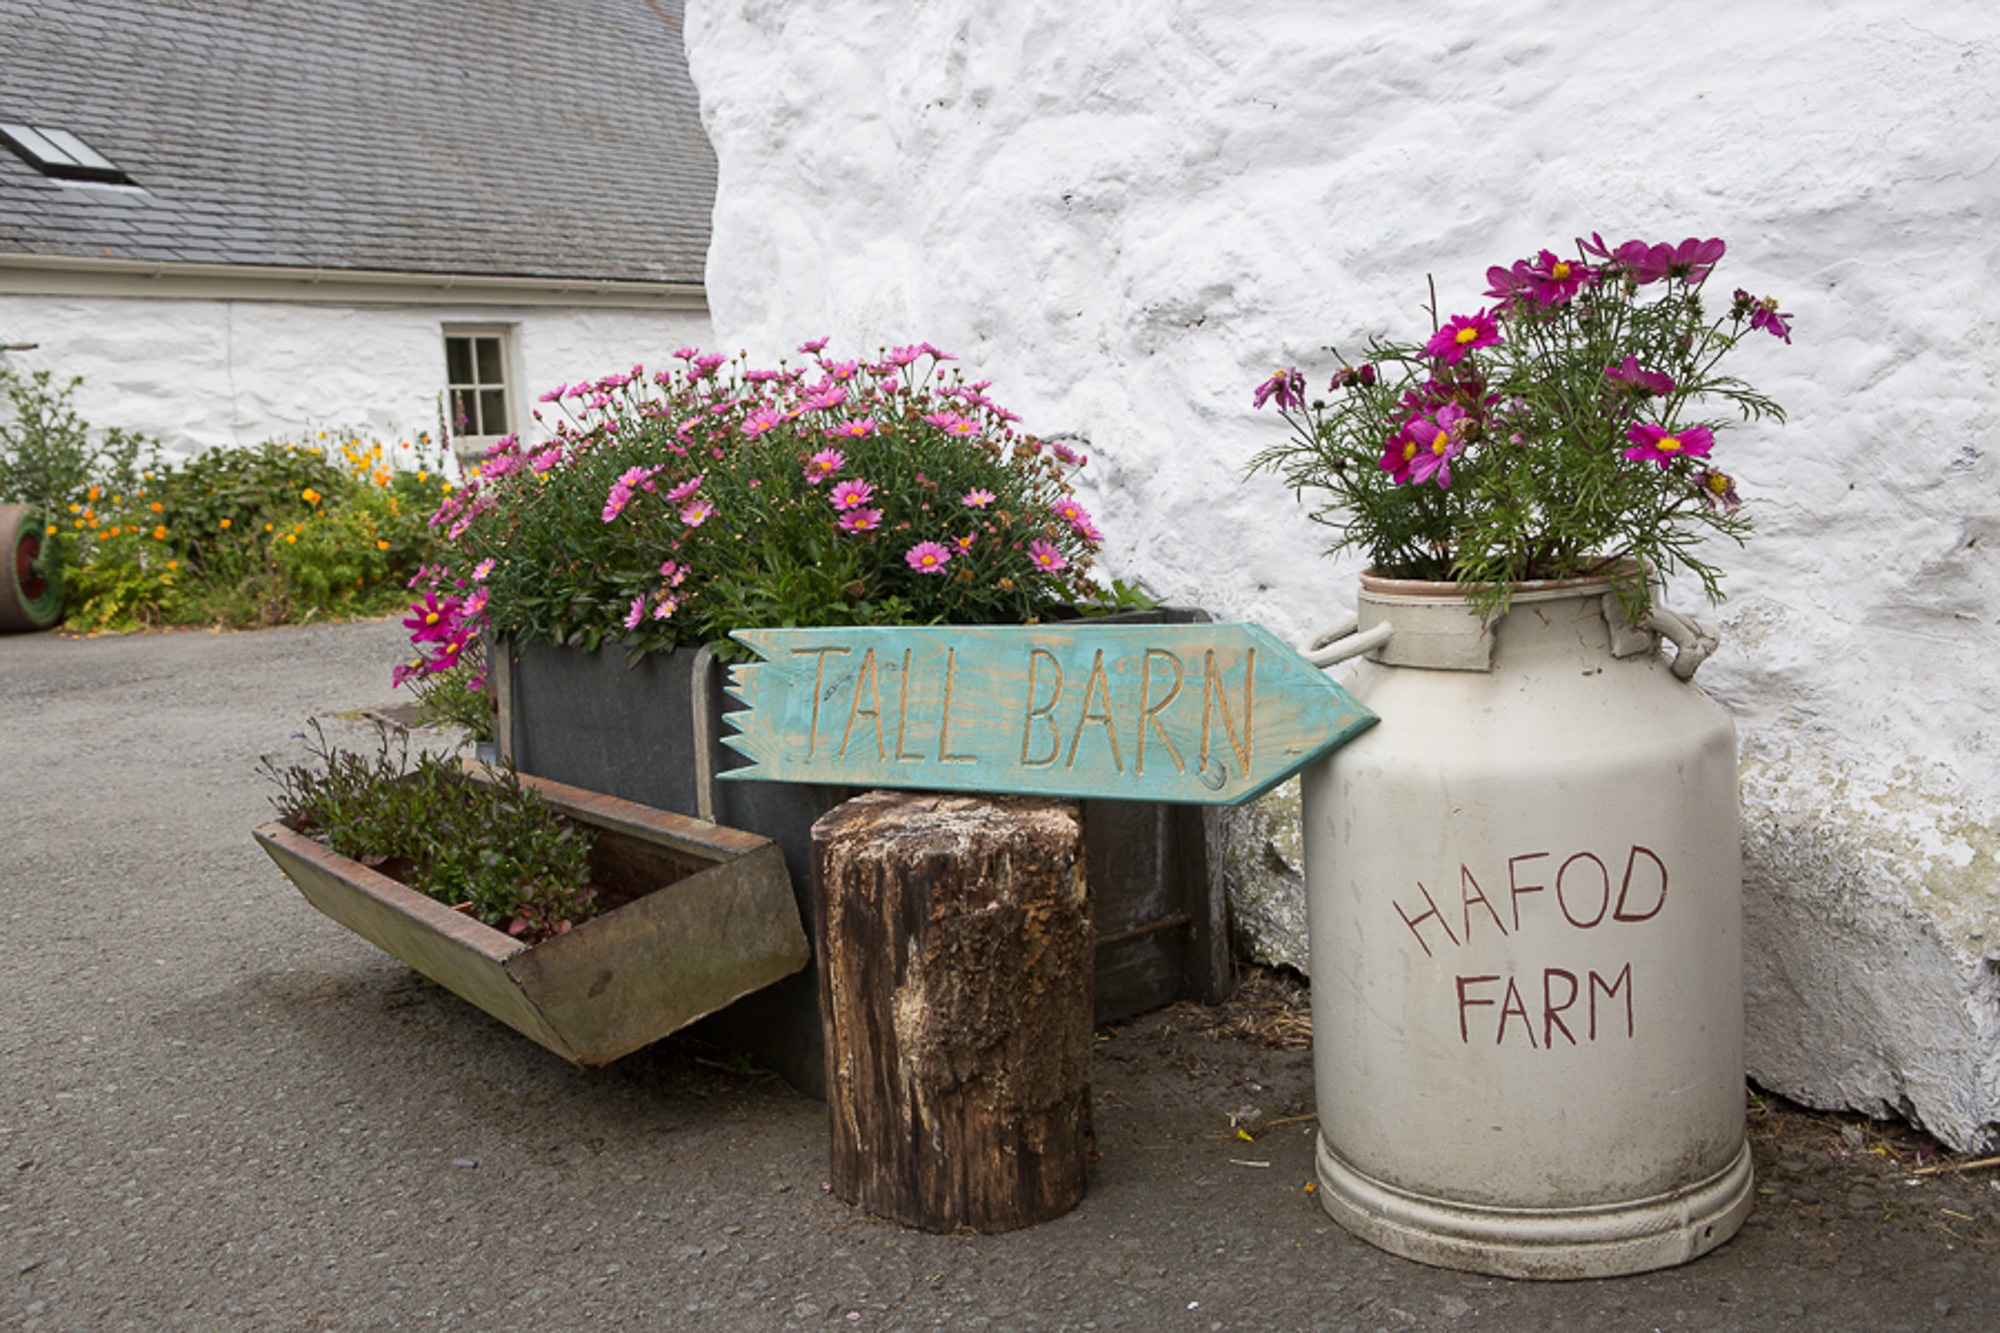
(1208, 714)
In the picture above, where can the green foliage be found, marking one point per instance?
(46, 454)
(496, 845)
(456, 696)
(1512, 445)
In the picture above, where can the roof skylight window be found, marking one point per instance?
(60, 154)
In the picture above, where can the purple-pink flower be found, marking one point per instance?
(635, 612)
(927, 558)
(1690, 261)
(1557, 280)
(852, 494)
(1046, 556)
(861, 520)
(951, 423)
(1629, 373)
(1656, 444)
(685, 489)
(762, 420)
(1765, 314)
(1286, 385)
(1718, 490)
(1462, 334)
(977, 499)
(697, 512)
(854, 428)
(1439, 439)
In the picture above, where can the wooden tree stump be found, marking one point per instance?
(955, 989)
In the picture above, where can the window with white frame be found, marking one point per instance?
(478, 397)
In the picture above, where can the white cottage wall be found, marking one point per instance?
(200, 373)
(1127, 214)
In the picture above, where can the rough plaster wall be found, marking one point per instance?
(1126, 214)
(196, 374)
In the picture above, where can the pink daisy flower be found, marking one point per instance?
(977, 499)
(684, 490)
(636, 612)
(1046, 556)
(853, 429)
(697, 512)
(927, 558)
(823, 465)
(851, 494)
(861, 520)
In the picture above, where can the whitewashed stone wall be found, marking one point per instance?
(1126, 214)
(196, 374)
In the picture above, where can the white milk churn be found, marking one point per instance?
(1524, 900)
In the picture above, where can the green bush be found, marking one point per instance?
(493, 849)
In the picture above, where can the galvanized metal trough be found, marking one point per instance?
(694, 916)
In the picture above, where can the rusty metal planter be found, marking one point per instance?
(699, 917)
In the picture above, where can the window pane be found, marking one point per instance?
(458, 360)
(489, 361)
(492, 411)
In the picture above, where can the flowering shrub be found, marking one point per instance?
(1556, 433)
(673, 509)
(255, 536)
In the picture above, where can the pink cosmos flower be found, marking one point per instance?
(674, 573)
(686, 353)
(1627, 372)
(664, 607)
(684, 490)
(636, 612)
(1718, 490)
(927, 558)
(697, 512)
(964, 543)
(826, 399)
(1462, 334)
(841, 370)
(1690, 261)
(1557, 280)
(861, 520)
(1655, 444)
(553, 394)
(1400, 450)
(1046, 557)
(546, 459)
(433, 620)
(852, 494)
(1065, 454)
(704, 366)
(815, 347)
(855, 428)
(1286, 385)
(824, 464)
(1440, 439)
(482, 569)
(977, 499)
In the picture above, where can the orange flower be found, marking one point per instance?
(160, 534)
(380, 545)
(225, 523)
(159, 508)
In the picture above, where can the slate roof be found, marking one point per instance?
(489, 137)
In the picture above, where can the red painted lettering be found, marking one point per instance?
(1551, 1011)
(1465, 1003)
(1604, 901)
(1514, 886)
(1443, 924)
(1622, 982)
(1469, 893)
(1619, 913)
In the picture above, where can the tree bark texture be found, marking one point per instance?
(955, 955)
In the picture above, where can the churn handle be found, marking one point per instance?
(1692, 640)
(1328, 647)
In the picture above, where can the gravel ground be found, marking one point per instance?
(219, 1110)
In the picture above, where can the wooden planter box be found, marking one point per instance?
(695, 917)
(648, 732)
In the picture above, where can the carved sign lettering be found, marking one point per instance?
(1204, 714)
